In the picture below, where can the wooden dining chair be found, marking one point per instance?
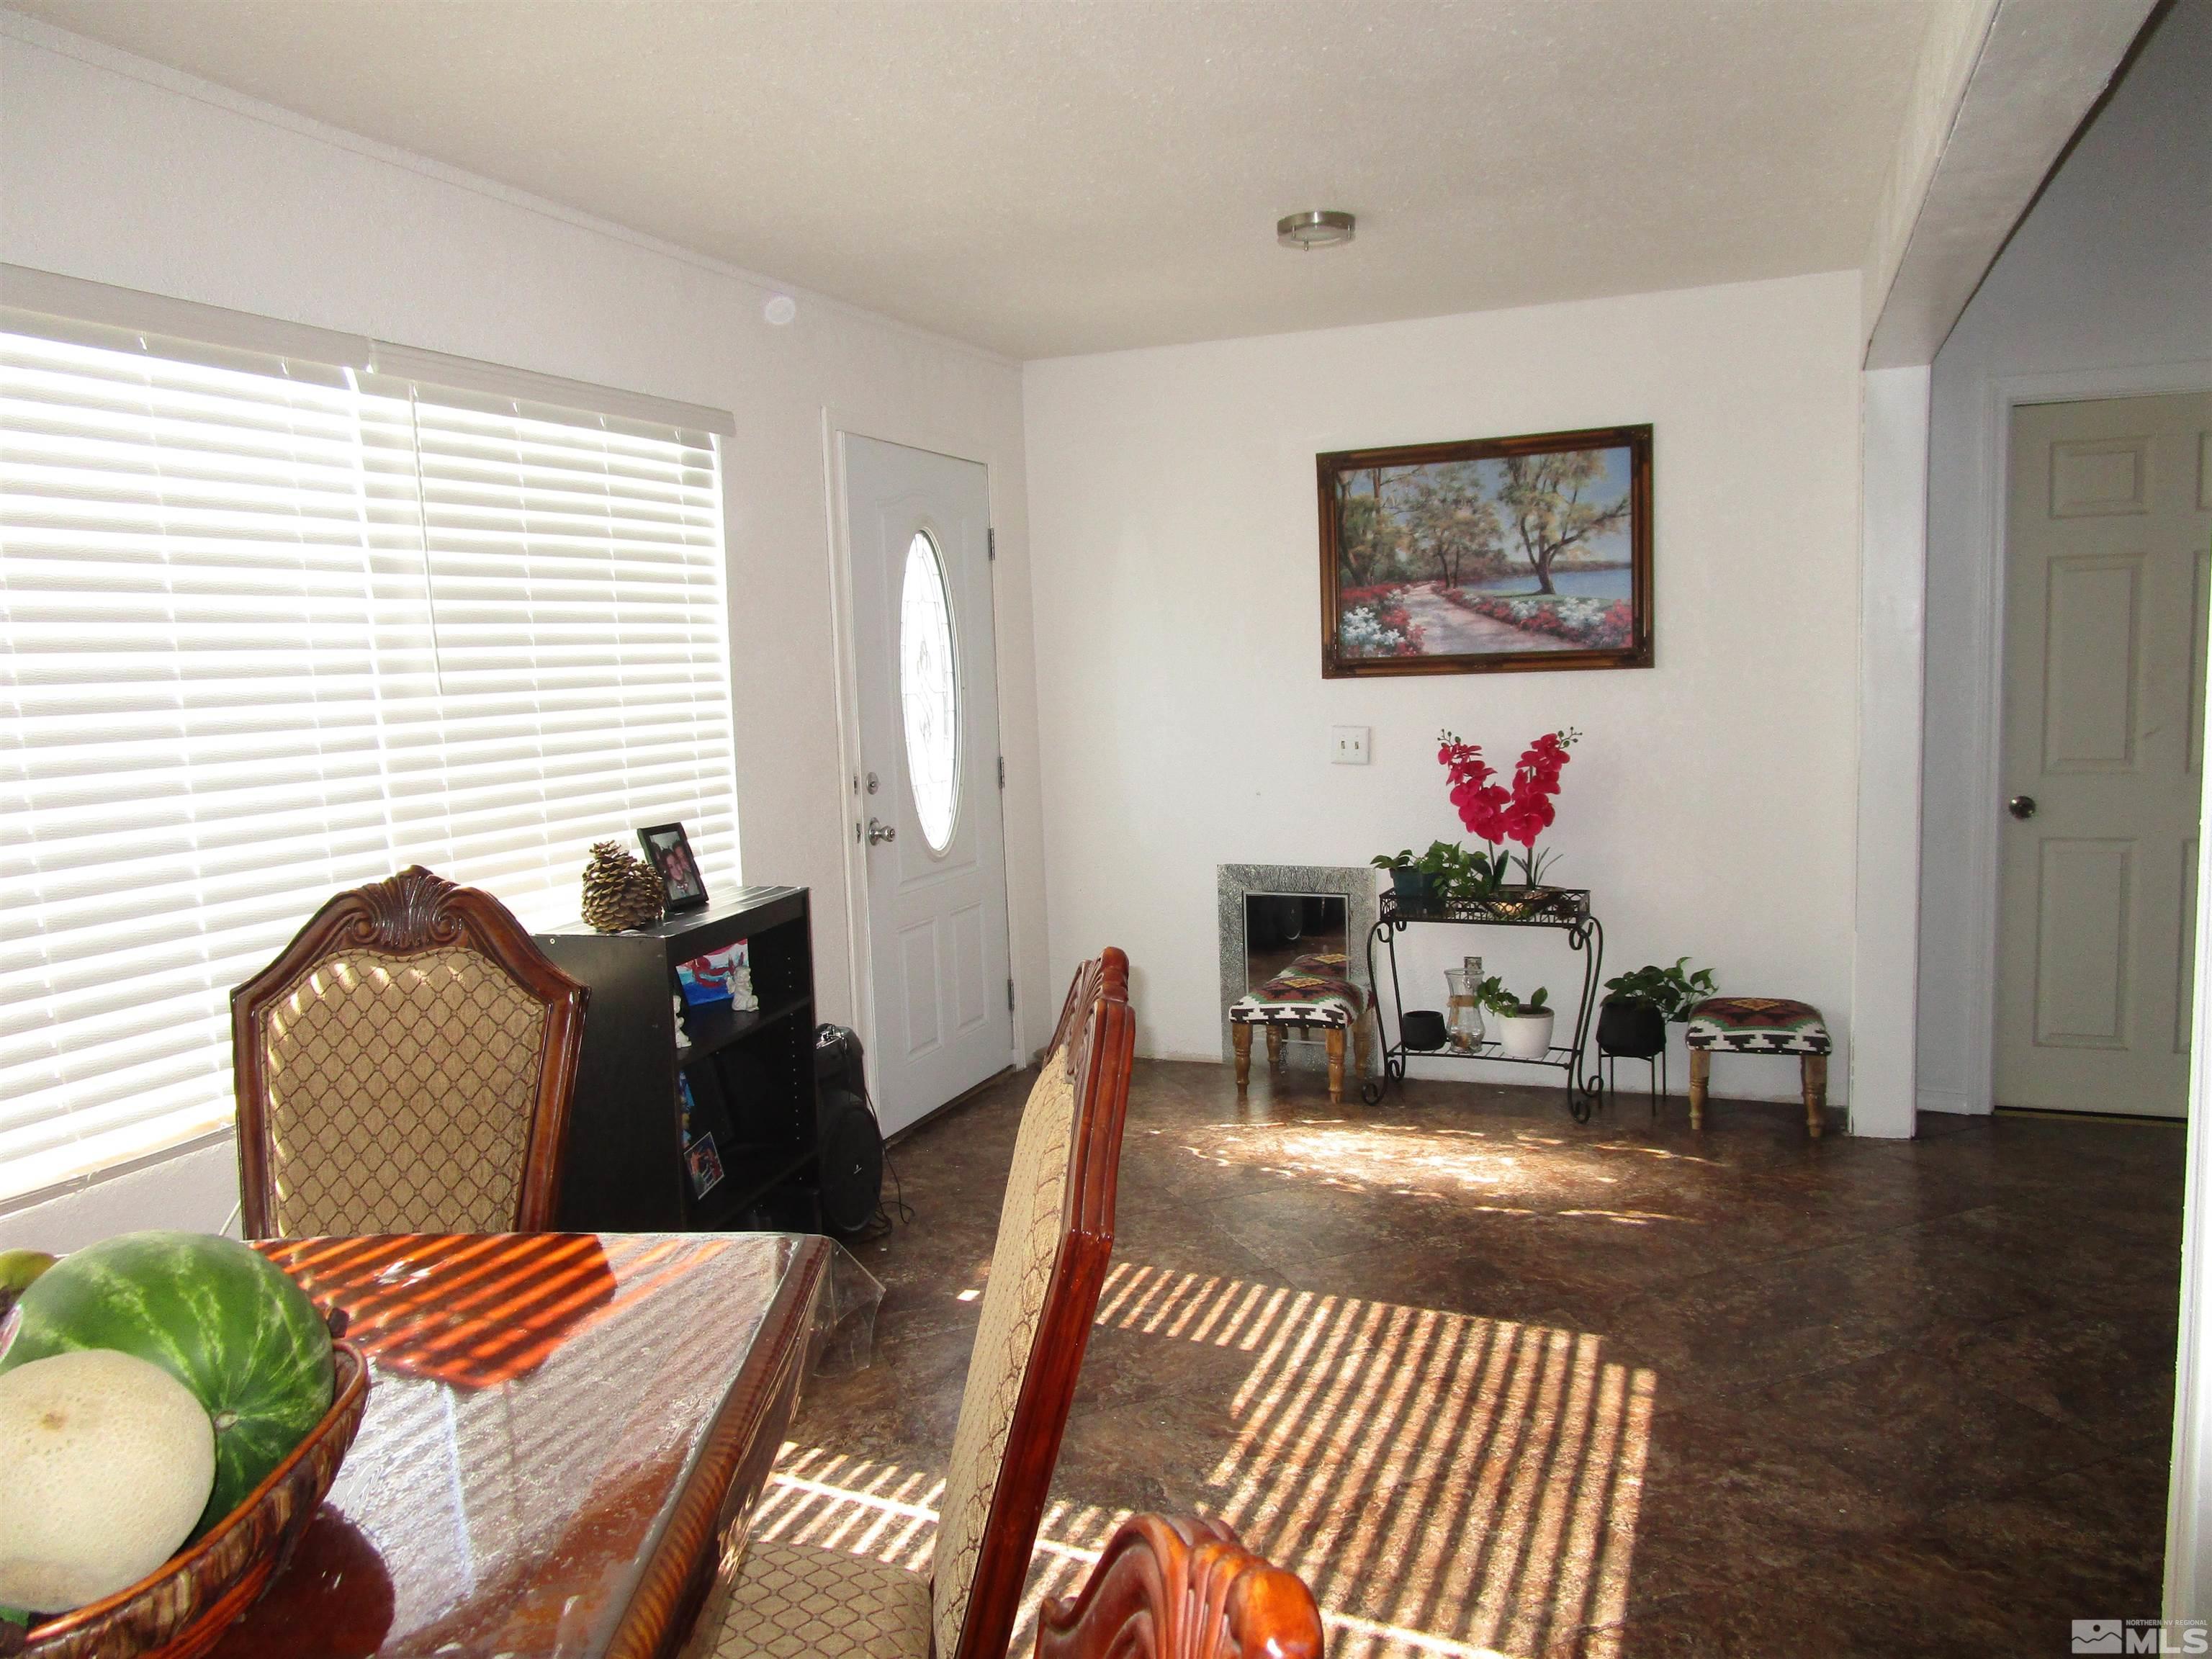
(1182, 1589)
(404, 1065)
(1056, 1233)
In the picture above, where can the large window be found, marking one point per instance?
(271, 627)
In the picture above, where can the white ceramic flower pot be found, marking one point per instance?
(1525, 1036)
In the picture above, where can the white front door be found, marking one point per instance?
(2108, 522)
(926, 805)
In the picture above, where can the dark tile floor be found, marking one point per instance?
(1498, 1384)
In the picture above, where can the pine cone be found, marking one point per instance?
(621, 890)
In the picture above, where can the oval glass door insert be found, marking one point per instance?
(929, 693)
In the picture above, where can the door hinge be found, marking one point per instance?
(991, 543)
(1010, 996)
(1002, 771)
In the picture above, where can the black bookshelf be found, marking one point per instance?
(751, 1073)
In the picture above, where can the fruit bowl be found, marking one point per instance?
(181, 1610)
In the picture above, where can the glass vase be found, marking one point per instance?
(1463, 1012)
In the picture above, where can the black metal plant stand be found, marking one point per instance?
(1657, 1062)
(1566, 910)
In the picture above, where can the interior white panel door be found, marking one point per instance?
(926, 801)
(2108, 531)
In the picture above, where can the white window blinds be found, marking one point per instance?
(269, 629)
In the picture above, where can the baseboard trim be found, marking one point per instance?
(953, 1105)
(2053, 1115)
(1949, 1100)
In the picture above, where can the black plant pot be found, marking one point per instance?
(1630, 1028)
(1422, 1029)
(1415, 890)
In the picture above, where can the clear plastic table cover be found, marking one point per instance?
(845, 1316)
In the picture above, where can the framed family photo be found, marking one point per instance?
(670, 851)
(1492, 555)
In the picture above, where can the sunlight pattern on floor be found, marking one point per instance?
(1461, 1163)
(1468, 1479)
(1449, 1486)
(889, 1514)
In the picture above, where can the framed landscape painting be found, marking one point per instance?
(1492, 555)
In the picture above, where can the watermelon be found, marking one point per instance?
(222, 1319)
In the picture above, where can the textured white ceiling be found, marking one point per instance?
(1054, 178)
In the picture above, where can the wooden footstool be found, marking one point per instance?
(1760, 1025)
(1315, 990)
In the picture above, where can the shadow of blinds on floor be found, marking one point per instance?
(1452, 1486)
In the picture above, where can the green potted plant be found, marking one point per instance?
(1446, 870)
(1471, 996)
(1409, 883)
(1632, 1023)
(1524, 1028)
(1477, 875)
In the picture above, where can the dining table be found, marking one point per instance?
(565, 1436)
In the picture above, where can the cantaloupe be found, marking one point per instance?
(219, 1317)
(105, 1461)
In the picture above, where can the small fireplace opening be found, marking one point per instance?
(1280, 927)
(1271, 914)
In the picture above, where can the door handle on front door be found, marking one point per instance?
(881, 832)
(2021, 807)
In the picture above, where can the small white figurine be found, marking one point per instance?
(741, 989)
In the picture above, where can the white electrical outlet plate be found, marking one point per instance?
(1348, 744)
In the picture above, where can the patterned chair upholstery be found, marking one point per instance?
(1056, 1233)
(406, 1065)
(1760, 1025)
(794, 1602)
(1315, 990)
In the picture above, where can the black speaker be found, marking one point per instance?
(838, 1061)
(851, 1141)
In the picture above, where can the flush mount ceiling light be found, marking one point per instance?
(1323, 227)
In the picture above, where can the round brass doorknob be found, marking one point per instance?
(2021, 807)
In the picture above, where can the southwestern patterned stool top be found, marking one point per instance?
(1315, 986)
(1761, 1025)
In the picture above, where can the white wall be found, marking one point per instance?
(1893, 581)
(2106, 286)
(1711, 803)
(119, 171)
(194, 1191)
(1949, 47)
(2189, 1497)
(2000, 90)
